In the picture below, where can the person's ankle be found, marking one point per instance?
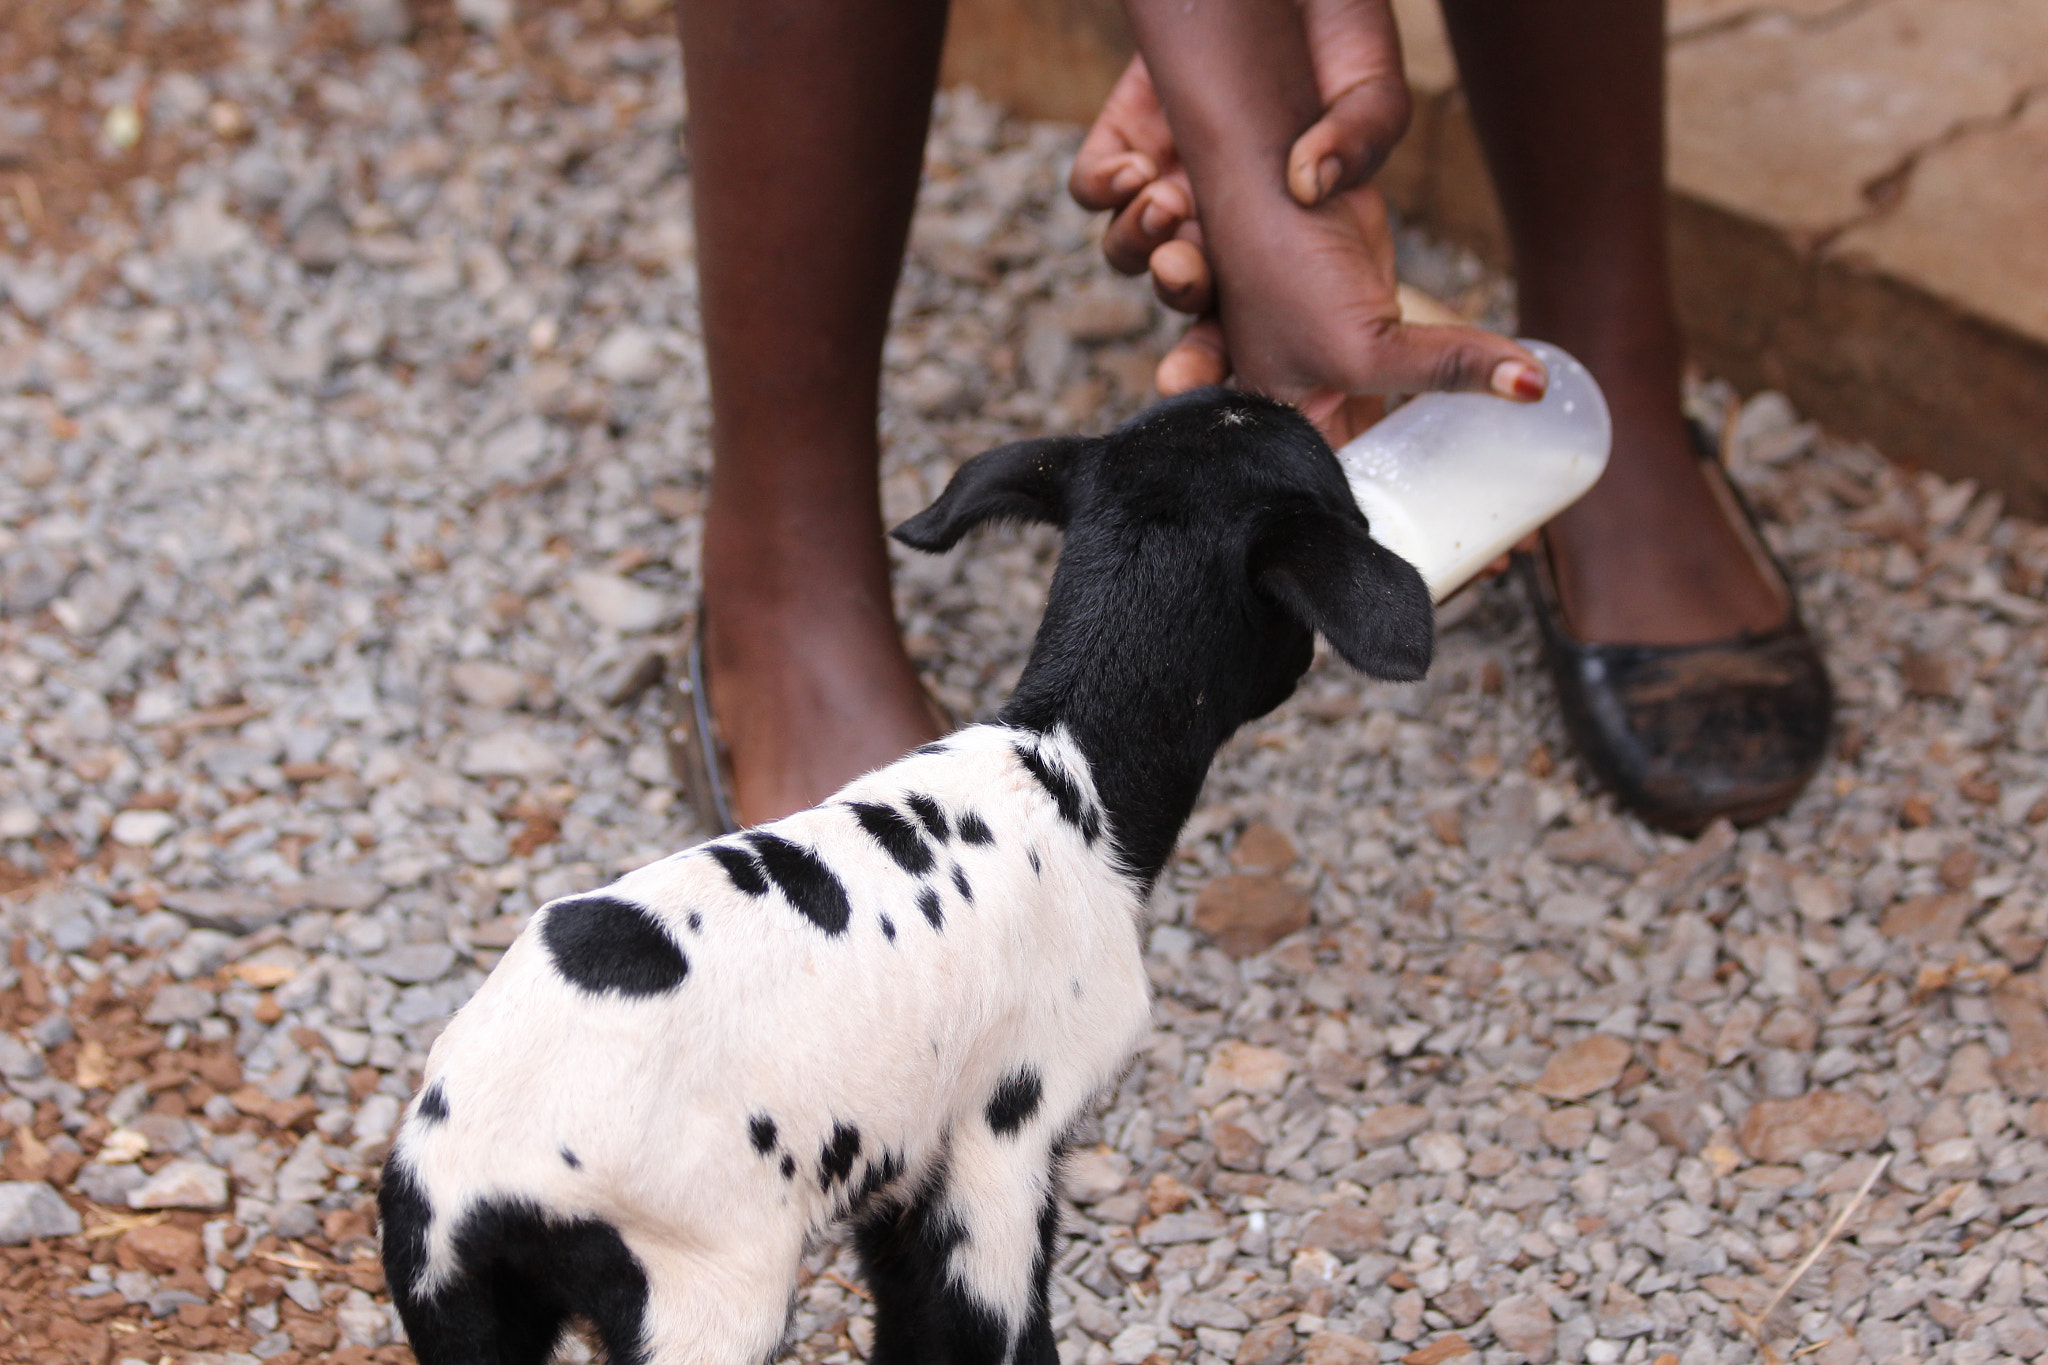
(807, 700)
(1658, 563)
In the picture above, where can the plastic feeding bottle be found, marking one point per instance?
(1450, 481)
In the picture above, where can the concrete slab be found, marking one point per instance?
(1802, 122)
(1987, 187)
(1688, 18)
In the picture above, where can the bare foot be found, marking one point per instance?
(809, 695)
(1648, 557)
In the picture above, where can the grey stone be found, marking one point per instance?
(30, 1209)
(1199, 1225)
(231, 912)
(18, 1061)
(489, 15)
(413, 963)
(1621, 1314)
(362, 1321)
(322, 239)
(510, 753)
(619, 603)
(32, 579)
(630, 355)
(2020, 1333)
(295, 1220)
(177, 1003)
(332, 892)
(303, 1176)
(1201, 1310)
(183, 1184)
(380, 21)
(97, 603)
(104, 1184)
(52, 1030)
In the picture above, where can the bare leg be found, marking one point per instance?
(806, 129)
(1568, 97)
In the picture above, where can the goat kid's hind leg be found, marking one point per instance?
(482, 1320)
(725, 1302)
(479, 1313)
(960, 1273)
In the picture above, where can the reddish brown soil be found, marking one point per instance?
(62, 183)
(40, 1322)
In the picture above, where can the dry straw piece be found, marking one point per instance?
(1755, 1325)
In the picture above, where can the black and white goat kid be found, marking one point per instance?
(889, 1009)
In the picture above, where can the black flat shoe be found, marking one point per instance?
(1687, 734)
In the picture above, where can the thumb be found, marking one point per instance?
(1350, 142)
(1416, 358)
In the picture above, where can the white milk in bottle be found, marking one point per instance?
(1450, 481)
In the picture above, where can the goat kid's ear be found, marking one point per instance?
(1021, 481)
(1367, 601)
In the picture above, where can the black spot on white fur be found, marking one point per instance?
(761, 1132)
(788, 1166)
(1073, 806)
(837, 1155)
(804, 880)
(928, 906)
(962, 885)
(570, 1160)
(929, 815)
(607, 946)
(877, 1176)
(433, 1105)
(899, 838)
(1015, 1100)
(975, 830)
(744, 872)
(888, 928)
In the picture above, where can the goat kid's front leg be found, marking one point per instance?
(960, 1273)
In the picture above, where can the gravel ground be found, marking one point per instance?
(352, 509)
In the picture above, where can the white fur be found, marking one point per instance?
(907, 1040)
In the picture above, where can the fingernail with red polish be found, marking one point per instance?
(1520, 380)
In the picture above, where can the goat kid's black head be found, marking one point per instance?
(1211, 480)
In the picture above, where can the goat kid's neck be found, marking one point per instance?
(1148, 730)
